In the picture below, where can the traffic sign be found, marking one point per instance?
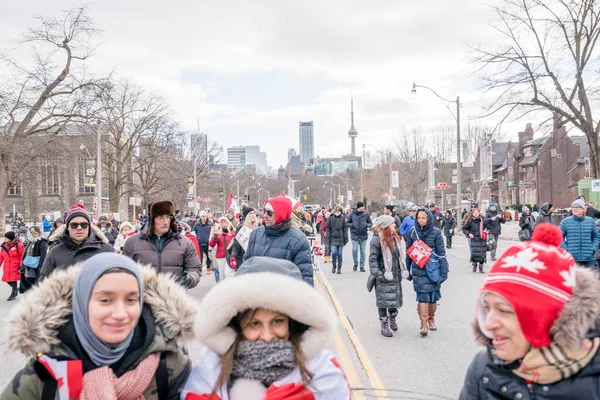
(189, 196)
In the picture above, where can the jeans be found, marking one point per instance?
(355, 245)
(493, 251)
(336, 254)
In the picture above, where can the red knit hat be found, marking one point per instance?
(537, 278)
(77, 210)
(282, 207)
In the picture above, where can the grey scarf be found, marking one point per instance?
(388, 259)
(100, 352)
(265, 362)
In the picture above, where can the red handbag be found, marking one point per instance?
(420, 253)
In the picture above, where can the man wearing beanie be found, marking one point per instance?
(359, 222)
(75, 241)
(278, 238)
(537, 316)
(581, 236)
(202, 229)
(160, 245)
(389, 210)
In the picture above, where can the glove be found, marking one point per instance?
(184, 281)
(233, 263)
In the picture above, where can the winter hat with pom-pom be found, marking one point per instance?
(537, 278)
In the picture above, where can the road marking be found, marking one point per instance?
(347, 364)
(380, 392)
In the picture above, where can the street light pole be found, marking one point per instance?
(195, 190)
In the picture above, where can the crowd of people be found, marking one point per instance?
(107, 314)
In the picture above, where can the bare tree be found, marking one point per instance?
(443, 138)
(412, 163)
(547, 62)
(41, 98)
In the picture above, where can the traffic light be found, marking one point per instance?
(305, 197)
(337, 197)
(221, 194)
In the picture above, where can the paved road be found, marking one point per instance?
(407, 364)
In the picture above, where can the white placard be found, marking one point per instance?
(596, 185)
(243, 237)
(395, 179)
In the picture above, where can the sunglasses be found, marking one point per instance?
(83, 225)
(269, 213)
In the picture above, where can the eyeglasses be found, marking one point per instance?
(270, 213)
(75, 225)
(164, 217)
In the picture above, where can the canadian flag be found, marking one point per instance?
(68, 375)
(232, 203)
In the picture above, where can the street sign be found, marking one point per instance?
(395, 179)
(596, 185)
(189, 196)
(350, 195)
(135, 201)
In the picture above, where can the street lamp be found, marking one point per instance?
(458, 163)
(98, 174)
(238, 185)
(345, 181)
(258, 196)
(334, 186)
(302, 191)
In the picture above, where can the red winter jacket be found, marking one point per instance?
(222, 242)
(194, 240)
(11, 259)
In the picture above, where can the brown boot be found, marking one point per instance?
(432, 307)
(423, 311)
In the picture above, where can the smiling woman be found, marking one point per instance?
(538, 315)
(100, 330)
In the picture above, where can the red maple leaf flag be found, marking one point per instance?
(68, 374)
(232, 203)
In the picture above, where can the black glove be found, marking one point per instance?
(184, 281)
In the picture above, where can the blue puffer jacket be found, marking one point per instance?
(407, 225)
(359, 223)
(285, 242)
(581, 237)
(432, 236)
(202, 232)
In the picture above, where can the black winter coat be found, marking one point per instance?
(388, 294)
(337, 230)
(449, 223)
(66, 252)
(485, 380)
(545, 215)
(285, 242)
(432, 236)
(202, 232)
(478, 245)
(495, 226)
(527, 222)
(359, 224)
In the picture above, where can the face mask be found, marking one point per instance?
(337, 213)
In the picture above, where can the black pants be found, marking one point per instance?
(13, 285)
(449, 241)
(26, 283)
(204, 252)
(383, 312)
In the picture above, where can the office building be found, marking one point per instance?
(307, 142)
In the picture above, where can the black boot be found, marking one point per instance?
(480, 268)
(355, 267)
(339, 268)
(13, 294)
(474, 266)
(333, 268)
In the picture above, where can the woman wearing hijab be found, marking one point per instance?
(473, 229)
(266, 334)
(387, 266)
(427, 289)
(537, 314)
(109, 329)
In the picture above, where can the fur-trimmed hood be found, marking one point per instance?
(61, 230)
(33, 324)
(578, 316)
(273, 291)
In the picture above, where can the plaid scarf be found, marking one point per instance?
(102, 384)
(547, 365)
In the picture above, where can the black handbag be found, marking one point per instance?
(370, 282)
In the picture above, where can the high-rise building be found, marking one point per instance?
(291, 153)
(257, 158)
(236, 157)
(199, 147)
(307, 141)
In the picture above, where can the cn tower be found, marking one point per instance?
(352, 133)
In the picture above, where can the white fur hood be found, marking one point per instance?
(33, 323)
(272, 291)
(62, 229)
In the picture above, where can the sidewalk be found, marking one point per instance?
(510, 231)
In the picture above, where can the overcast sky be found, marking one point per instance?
(250, 70)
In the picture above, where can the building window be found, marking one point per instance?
(86, 174)
(15, 190)
(49, 177)
(588, 168)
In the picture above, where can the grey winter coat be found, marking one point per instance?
(527, 222)
(478, 245)
(337, 230)
(66, 252)
(579, 319)
(359, 223)
(388, 294)
(494, 225)
(545, 215)
(285, 242)
(177, 257)
(449, 223)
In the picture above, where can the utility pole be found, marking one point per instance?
(99, 173)
(458, 162)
